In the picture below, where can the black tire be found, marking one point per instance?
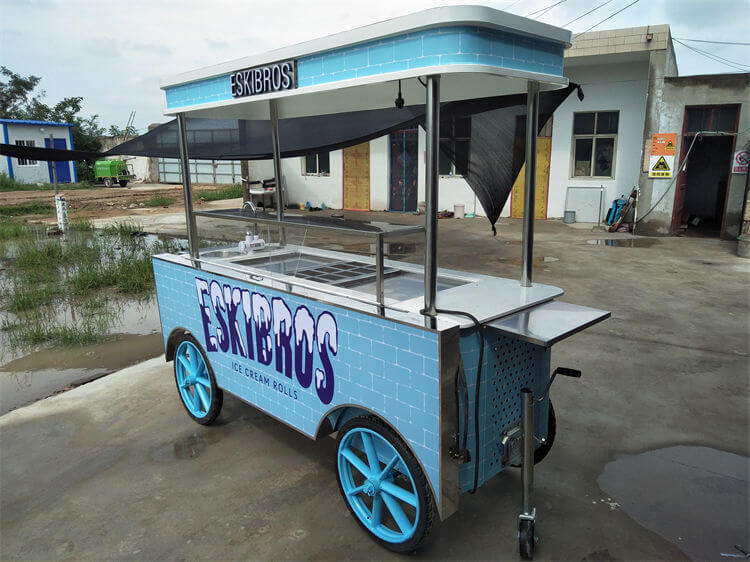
(526, 541)
(123, 183)
(542, 451)
(217, 395)
(107, 182)
(427, 510)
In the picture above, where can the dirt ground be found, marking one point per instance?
(102, 202)
(649, 462)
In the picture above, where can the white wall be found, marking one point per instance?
(39, 172)
(620, 87)
(329, 189)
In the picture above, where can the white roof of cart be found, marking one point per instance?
(478, 51)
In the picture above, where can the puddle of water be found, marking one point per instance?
(29, 373)
(624, 242)
(47, 371)
(188, 447)
(695, 497)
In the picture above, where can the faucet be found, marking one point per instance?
(252, 206)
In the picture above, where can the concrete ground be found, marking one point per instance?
(116, 469)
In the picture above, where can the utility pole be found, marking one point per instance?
(61, 205)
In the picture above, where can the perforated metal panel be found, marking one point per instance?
(508, 366)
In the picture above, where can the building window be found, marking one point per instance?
(456, 141)
(719, 119)
(26, 161)
(594, 143)
(316, 164)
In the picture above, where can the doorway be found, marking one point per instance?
(703, 182)
(63, 168)
(403, 171)
(357, 177)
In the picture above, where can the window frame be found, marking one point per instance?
(453, 140)
(593, 136)
(26, 162)
(318, 173)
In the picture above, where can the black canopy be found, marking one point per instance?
(487, 148)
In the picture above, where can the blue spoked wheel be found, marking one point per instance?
(383, 484)
(196, 382)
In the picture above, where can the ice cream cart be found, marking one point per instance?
(433, 381)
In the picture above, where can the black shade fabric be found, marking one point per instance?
(483, 138)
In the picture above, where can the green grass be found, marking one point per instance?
(159, 200)
(122, 228)
(32, 208)
(81, 225)
(64, 290)
(9, 184)
(10, 229)
(230, 192)
(31, 297)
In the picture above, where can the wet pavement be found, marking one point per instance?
(649, 443)
(695, 497)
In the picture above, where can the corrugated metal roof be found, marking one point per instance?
(30, 122)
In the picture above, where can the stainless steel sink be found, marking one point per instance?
(223, 253)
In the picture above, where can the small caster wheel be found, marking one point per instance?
(526, 539)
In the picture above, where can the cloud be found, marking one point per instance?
(117, 70)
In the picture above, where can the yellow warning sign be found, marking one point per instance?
(660, 166)
(669, 146)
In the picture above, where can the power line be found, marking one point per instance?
(609, 17)
(544, 9)
(545, 12)
(716, 58)
(706, 41)
(587, 13)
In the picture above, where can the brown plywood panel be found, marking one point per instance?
(357, 177)
(543, 150)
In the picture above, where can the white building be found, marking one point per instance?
(591, 152)
(615, 80)
(37, 134)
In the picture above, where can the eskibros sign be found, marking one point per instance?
(264, 335)
(264, 79)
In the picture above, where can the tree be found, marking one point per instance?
(18, 101)
(115, 131)
(15, 94)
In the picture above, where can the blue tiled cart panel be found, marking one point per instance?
(508, 366)
(426, 48)
(266, 358)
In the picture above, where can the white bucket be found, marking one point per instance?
(458, 210)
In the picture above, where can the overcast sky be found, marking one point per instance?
(114, 53)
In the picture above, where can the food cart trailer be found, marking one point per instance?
(432, 380)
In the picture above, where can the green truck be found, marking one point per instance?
(111, 171)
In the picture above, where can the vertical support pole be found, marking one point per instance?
(432, 130)
(274, 114)
(532, 119)
(379, 267)
(527, 470)
(192, 231)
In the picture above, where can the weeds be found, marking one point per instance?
(159, 200)
(10, 230)
(230, 192)
(62, 290)
(33, 208)
(81, 225)
(122, 228)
